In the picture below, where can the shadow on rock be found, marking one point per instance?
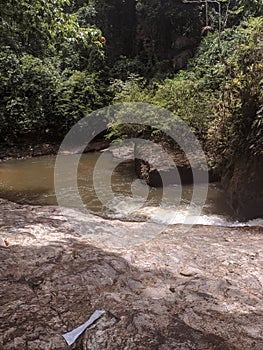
(52, 289)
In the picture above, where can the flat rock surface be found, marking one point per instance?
(196, 289)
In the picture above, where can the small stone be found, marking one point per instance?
(189, 272)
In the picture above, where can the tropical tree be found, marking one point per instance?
(36, 26)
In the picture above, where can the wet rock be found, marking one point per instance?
(93, 146)
(123, 151)
(162, 164)
(243, 186)
(200, 289)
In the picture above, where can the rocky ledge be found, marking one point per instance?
(243, 185)
(197, 289)
(160, 164)
(163, 165)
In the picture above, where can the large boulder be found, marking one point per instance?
(243, 186)
(163, 164)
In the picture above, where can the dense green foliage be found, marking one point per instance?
(238, 126)
(49, 68)
(56, 66)
(219, 95)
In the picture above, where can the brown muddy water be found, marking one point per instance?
(31, 181)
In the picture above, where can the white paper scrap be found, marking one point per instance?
(72, 336)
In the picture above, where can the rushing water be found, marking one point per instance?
(31, 181)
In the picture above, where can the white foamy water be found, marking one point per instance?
(122, 208)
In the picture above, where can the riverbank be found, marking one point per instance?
(200, 289)
(23, 150)
(27, 150)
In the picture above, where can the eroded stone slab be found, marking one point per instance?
(200, 289)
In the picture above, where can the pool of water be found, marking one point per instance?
(31, 181)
